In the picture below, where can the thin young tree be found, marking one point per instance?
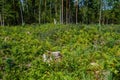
(56, 8)
(2, 12)
(67, 11)
(21, 11)
(0, 19)
(45, 10)
(62, 11)
(100, 12)
(50, 9)
(76, 6)
(39, 11)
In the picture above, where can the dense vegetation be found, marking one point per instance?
(89, 52)
(17, 12)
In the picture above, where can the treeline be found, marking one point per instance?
(16, 12)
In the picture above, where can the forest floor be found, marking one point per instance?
(90, 52)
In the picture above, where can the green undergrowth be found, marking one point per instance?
(21, 50)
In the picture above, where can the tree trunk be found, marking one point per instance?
(3, 15)
(21, 11)
(76, 15)
(60, 15)
(3, 21)
(76, 11)
(0, 19)
(39, 11)
(67, 11)
(62, 11)
(50, 11)
(100, 13)
(44, 9)
(55, 9)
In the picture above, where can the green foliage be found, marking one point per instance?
(87, 52)
(46, 11)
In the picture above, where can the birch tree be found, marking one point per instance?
(21, 11)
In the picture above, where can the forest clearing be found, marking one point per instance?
(89, 52)
(59, 39)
